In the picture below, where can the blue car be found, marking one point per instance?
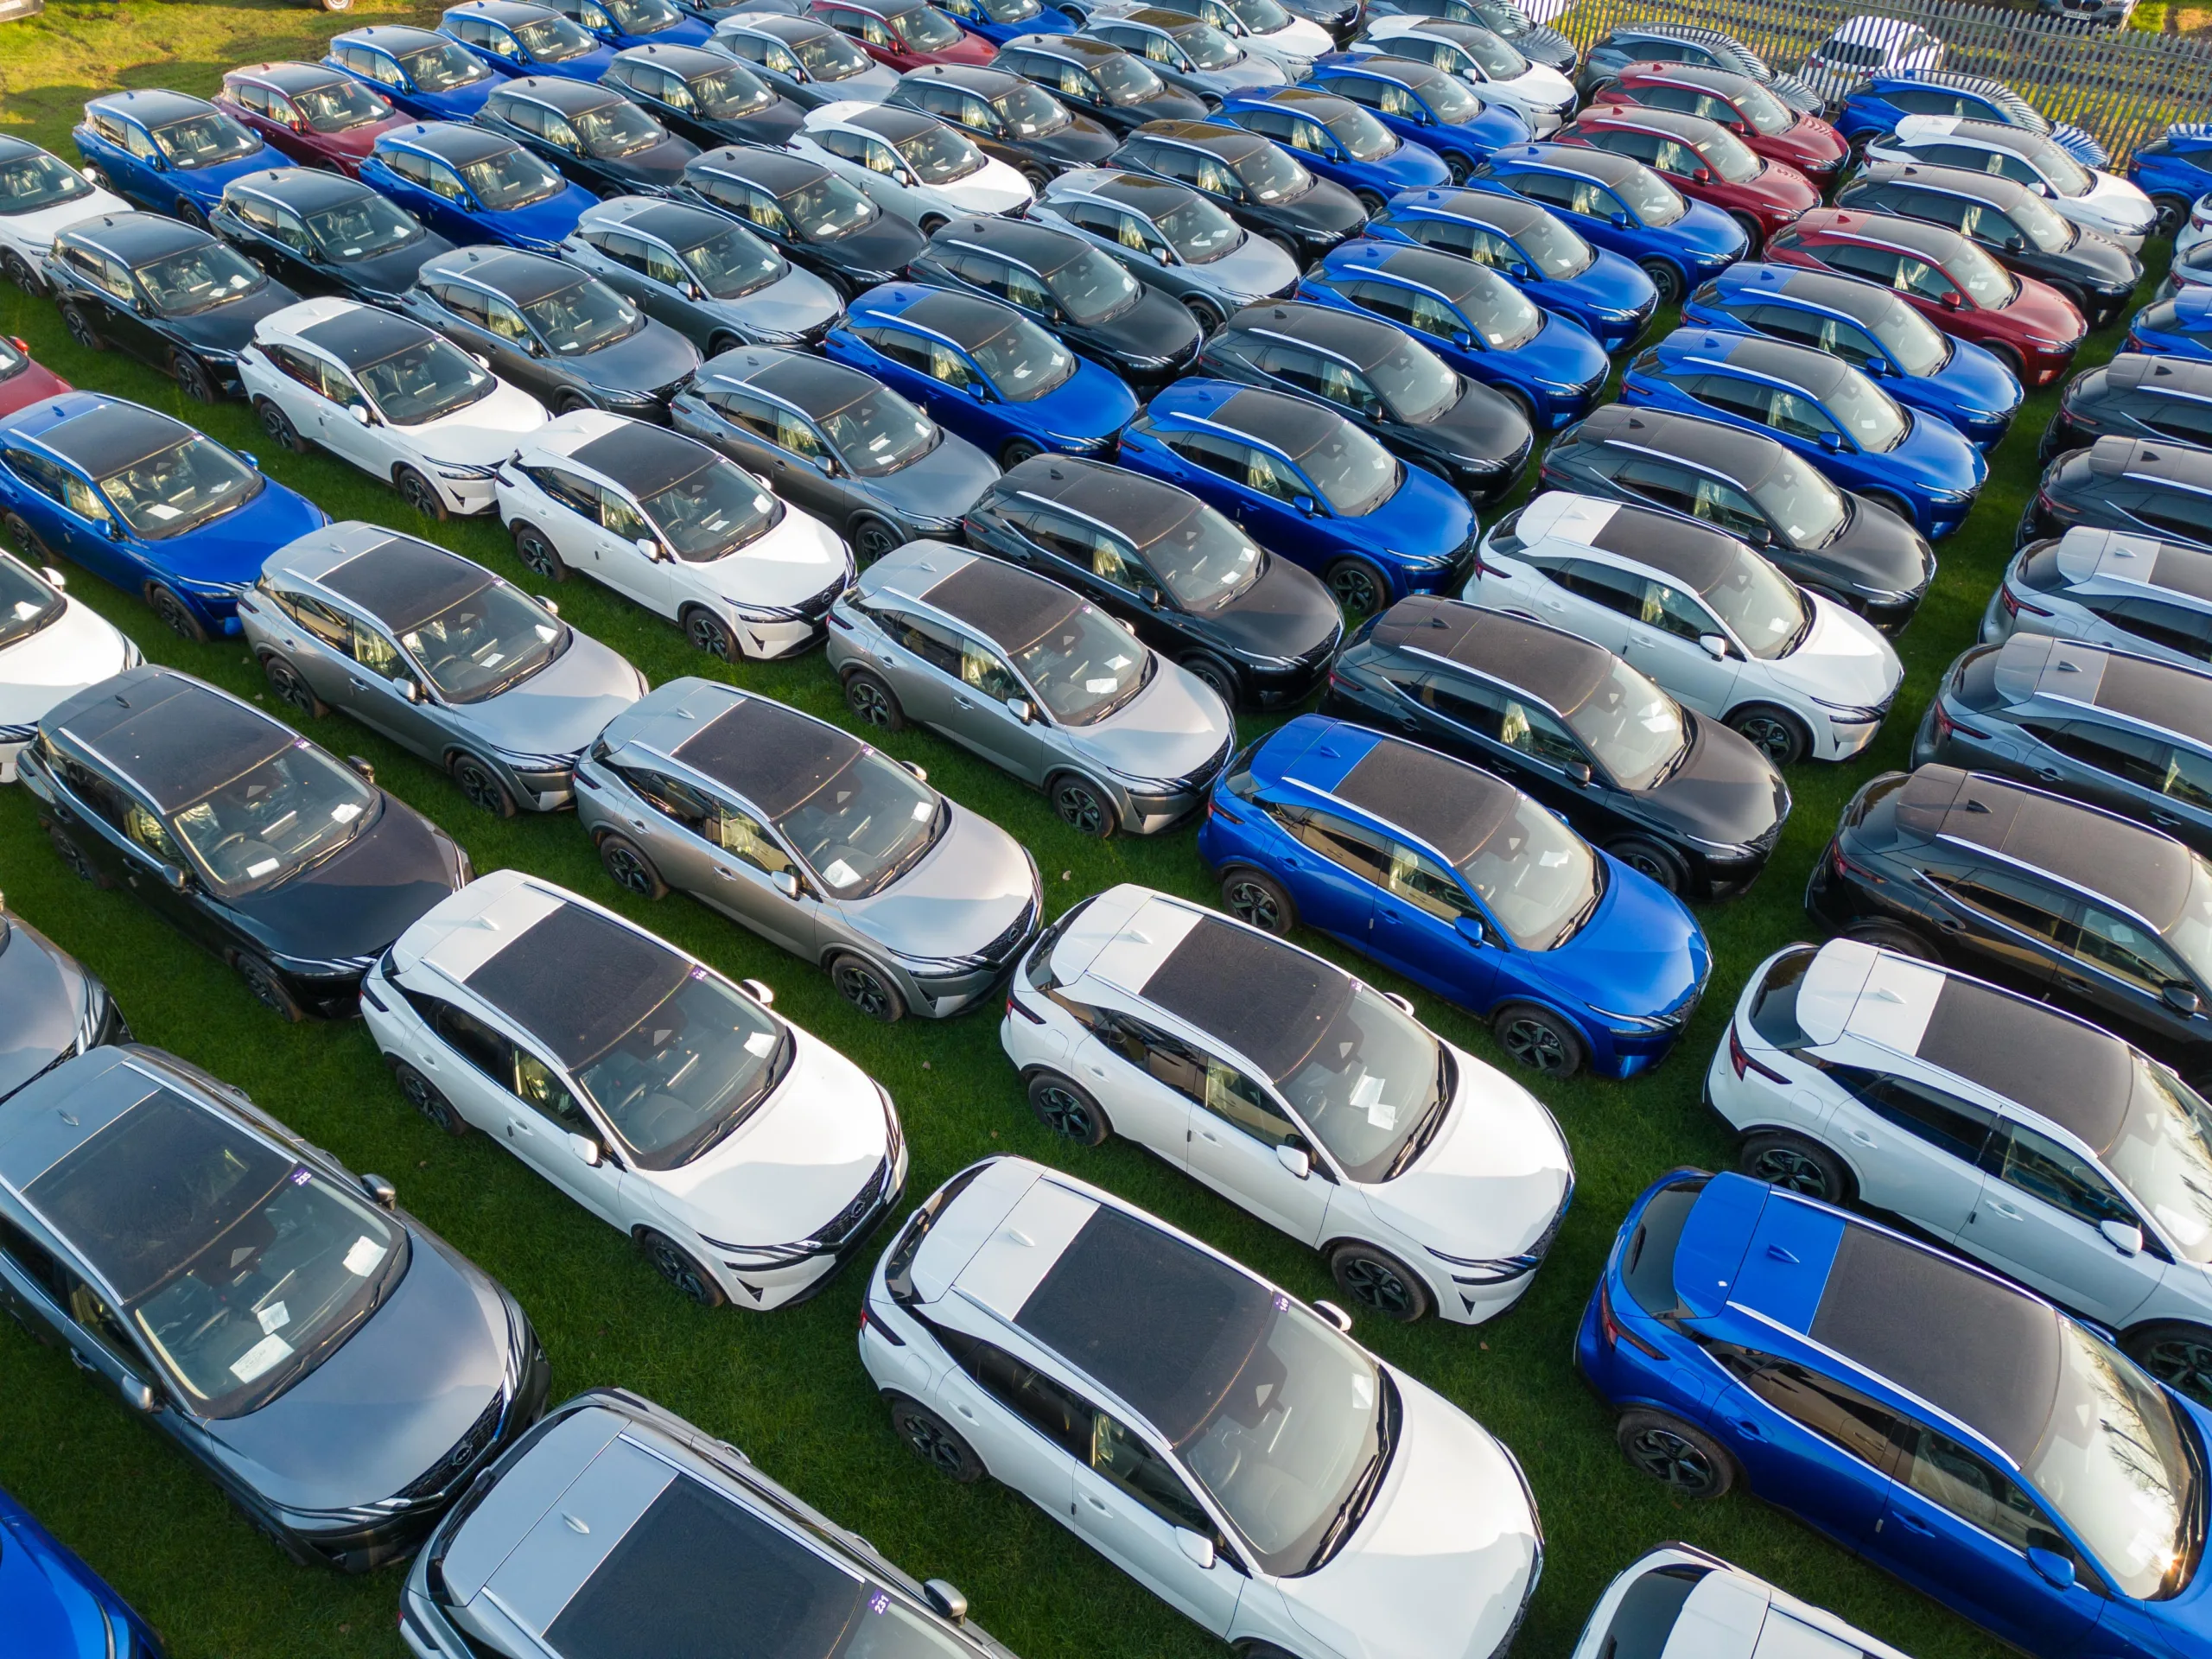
(2174, 169)
(1423, 105)
(420, 72)
(57, 1606)
(1919, 466)
(1870, 327)
(1337, 139)
(2180, 326)
(510, 37)
(982, 371)
(1537, 253)
(1308, 485)
(1457, 880)
(1873, 109)
(1475, 320)
(164, 513)
(625, 23)
(1937, 1419)
(470, 185)
(1001, 21)
(1619, 204)
(166, 152)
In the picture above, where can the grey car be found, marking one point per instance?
(1188, 52)
(439, 655)
(1039, 682)
(837, 443)
(668, 1541)
(1170, 238)
(804, 59)
(798, 831)
(702, 272)
(52, 1006)
(2104, 588)
(337, 1370)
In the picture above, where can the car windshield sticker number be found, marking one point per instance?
(761, 1045)
(1367, 1096)
(361, 1260)
(273, 1317)
(270, 1351)
(839, 874)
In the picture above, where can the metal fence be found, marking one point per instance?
(2124, 87)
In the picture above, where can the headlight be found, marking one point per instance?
(759, 1258)
(1641, 1021)
(1489, 1270)
(210, 354)
(1848, 713)
(461, 469)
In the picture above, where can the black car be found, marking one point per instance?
(2022, 231)
(1682, 798)
(703, 95)
(567, 339)
(320, 232)
(1068, 288)
(51, 1006)
(1650, 41)
(2162, 490)
(1857, 553)
(167, 292)
(1262, 186)
(1104, 82)
(593, 134)
(1375, 374)
(2134, 396)
(2094, 914)
(1186, 580)
(292, 867)
(814, 218)
(1011, 119)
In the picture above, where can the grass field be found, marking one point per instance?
(788, 1387)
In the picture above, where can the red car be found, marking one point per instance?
(904, 34)
(1742, 105)
(315, 114)
(24, 380)
(1947, 278)
(1703, 159)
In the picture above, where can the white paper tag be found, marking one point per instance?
(1367, 1096)
(761, 1045)
(345, 812)
(162, 510)
(268, 1351)
(361, 1260)
(1100, 688)
(923, 810)
(261, 867)
(273, 1317)
(839, 874)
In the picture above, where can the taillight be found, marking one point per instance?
(1741, 1060)
(1947, 727)
(1614, 1332)
(1014, 1005)
(2045, 504)
(1216, 810)
(2014, 604)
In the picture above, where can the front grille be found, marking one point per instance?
(1206, 774)
(855, 1215)
(999, 949)
(1762, 843)
(472, 1445)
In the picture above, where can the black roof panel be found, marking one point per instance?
(579, 982)
(404, 582)
(1143, 509)
(1361, 340)
(1291, 424)
(2000, 193)
(644, 458)
(563, 92)
(2165, 694)
(1556, 668)
(524, 278)
(295, 77)
(814, 384)
(1937, 242)
(1011, 607)
(687, 62)
(967, 320)
(1270, 1001)
(174, 737)
(1746, 457)
(137, 238)
(366, 334)
(310, 189)
(2068, 1069)
(105, 441)
(776, 171)
(155, 106)
(1688, 549)
(1819, 372)
(1453, 807)
(1040, 247)
(775, 757)
(457, 142)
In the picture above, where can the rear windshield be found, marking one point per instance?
(1648, 1264)
(1774, 1011)
(1646, 1616)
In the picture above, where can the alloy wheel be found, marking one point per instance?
(1533, 1043)
(1065, 1112)
(627, 868)
(416, 1090)
(1255, 902)
(291, 689)
(864, 989)
(1354, 586)
(937, 1448)
(871, 703)
(1671, 1460)
(707, 632)
(678, 1269)
(1374, 1284)
(1789, 1169)
(1080, 808)
(537, 555)
(2184, 1363)
(279, 425)
(1771, 735)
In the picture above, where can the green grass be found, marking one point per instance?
(788, 1387)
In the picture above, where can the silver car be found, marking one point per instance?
(1172, 238)
(813, 840)
(1184, 52)
(1034, 680)
(2106, 587)
(439, 655)
(702, 272)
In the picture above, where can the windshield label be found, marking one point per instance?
(270, 1351)
(273, 1317)
(361, 1260)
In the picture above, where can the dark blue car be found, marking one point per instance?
(510, 37)
(1872, 328)
(1873, 109)
(1423, 105)
(2180, 326)
(625, 23)
(420, 72)
(163, 512)
(1001, 21)
(1619, 204)
(983, 371)
(2174, 170)
(166, 152)
(56, 1607)
(1919, 466)
(1536, 252)
(470, 185)
(1307, 484)
(1457, 880)
(1472, 318)
(1940, 1421)
(1338, 140)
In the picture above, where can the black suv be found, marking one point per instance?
(609, 144)
(816, 218)
(1857, 553)
(1011, 118)
(1258, 183)
(1682, 799)
(1115, 88)
(2134, 395)
(2106, 919)
(703, 95)
(321, 233)
(1192, 585)
(1695, 47)
(2162, 490)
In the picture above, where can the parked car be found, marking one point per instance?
(808, 62)
(398, 401)
(1543, 97)
(2102, 588)
(703, 95)
(144, 502)
(1681, 1586)
(2178, 328)
(1041, 684)
(702, 272)
(1188, 52)
(1258, 183)
(164, 152)
(41, 194)
(1265, 28)
(1008, 118)
(904, 34)
(1001, 21)
(512, 38)
(911, 164)
(475, 185)
(57, 1007)
(1882, 101)
(2192, 269)
(24, 380)
(1703, 161)
(2132, 396)
(322, 233)
(1115, 88)
(675, 525)
(1645, 43)
(1428, 1499)
(311, 113)
(427, 75)
(2161, 490)
(51, 647)
(1759, 113)
(1339, 141)
(809, 214)
(627, 24)
(2094, 200)
(57, 1603)
(1176, 572)
(597, 136)
(1423, 105)
(1506, 19)
(1864, 45)
(1113, 1034)
(2173, 169)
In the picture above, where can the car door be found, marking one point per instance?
(921, 658)
(142, 166)
(804, 470)
(1917, 1148)
(289, 253)
(543, 1116)
(2037, 1216)
(1335, 875)
(1808, 1443)
(619, 561)
(1664, 641)
(59, 506)
(1130, 1501)
(984, 718)
(1588, 597)
(339, 404)
(2116, 973)
(122, 313)
(506, 347)
(1432, 930)
(153, 863)
(2011, 923)
(316, 639)
(744, 858)
(1236, 1128)
(1145, 1078)
(373, 696)
(1027, 1429)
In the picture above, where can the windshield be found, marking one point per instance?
(1273, 173)
(36, 180)
(1760, 606)
(642, 17)
(339, 105)
(1353, 473)
(1450, 101)
(429, 378)
(1199, 232)
(879, 434)
(1501, 20)
(618, 128)
(1125, 79)
(1729, 156)
(203, 140)
(2040, 222)
(1768, 114)
(1856, 54)
(1650, 197)
(732, 262)
(1085, 666)
(442, 67)
(583, 317)
(478, 646)
(830, 56)
(868, 825)
(938, 155)
(827, 208)
(1030, 111)
(924, 28)
(1415, 383)
(1909, 337)
(1500, 313)
(554, 40)
(1498, 60)
(1633, 727)
(1022, 362)
(1207, 47)
(1558, 250)
(724, 94)
(2067, 176)
(1362, 135)
(1260, 16)
(362, 226)
(1810, 511)
(1010, 11)
(1536, 877)
(289, 812)
(180, 487)
(1368, 1083)
(511, 178)
(2190, 932)
(198, 279)
(690, 1071)
(714, 513)
(2163, 1155)
(1205, 561)
(27, 604)
(1870, 414)
(1091, 288)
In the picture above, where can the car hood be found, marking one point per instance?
(1976, 376)
(968, 891)
(1255, 269)
(1539, 88)
(1811, 143)
(2041, 310)
(1169, 104)
(1287, 612)
(53, 1610)
(1844, 658)
(1876, 548)
(43, 991)
(1492, 1182)
(653, 358)
(1725, 790)
(1249, 74)
(1082, 142)
(38, 229)
(994, 188)
(872, 86)
(540, 226)
(793, 304)
(394, 272)
(1705, 229)
(1169, 730)
(229, 328)
(561, 707)
(2119, 203)
(881, 250)
(1640, 953)
(1092, 404)
(793, 562)
(1427, 517)
(771, 128)
(659, 167)
(363, 896)
(1484, 424)
(2098, 258)
(80, 647)
(1156, 329)
(232, 547)
(941, 485)
(1781, 186)
(485, 432)
(1328, 209)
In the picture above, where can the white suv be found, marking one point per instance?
(1429, 1180)
(1677, 1602)
(1221, 1442)
(748, 1158)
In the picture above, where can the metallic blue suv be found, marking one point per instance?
(57, 1606)
(2174, 170)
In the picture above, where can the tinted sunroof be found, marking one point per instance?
(1453, 808)
(1270, 1003)
(1012, 607)
(644, 459)
(105, 439)
(2172, 697)
(404, 582)
(579, 981)
(776, 757)
(178, 740)
(2072, 1073)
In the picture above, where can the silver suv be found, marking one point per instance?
(2106, 587)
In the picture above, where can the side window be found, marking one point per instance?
(537, 1085)
(793, 433)
(2179, 417)
(984, 669)
(90, 788)
(1478, 708)
(1535, 733)
(1601, 584)
(504, 321)
(1661, 483)
(622, 519)
(1957, 1127)
(2185, 631)
(1875, 265)
(758, 206)
(1745, 399)
(376, 653)
(950, 368)
(98, 1321)
(2017, 903)
(1840, 1415)
(531, 117)
(1237, 1100)
(32, 1259)
(2043, 1169)
(1058, 1416)
(1363, 852)
(1216, 454)
(1953, 1478)
(36, 471)
(151, 833)
(907, 351)
(756, 416)
(1799, 417)
(2189, 776)
(664, 268)
(317, 618)
(441, 181)
(1427, 886)
(1324, 376)
(932, 642)
(2127, 950)
(471, 1038)
(2133, 756)
(1672, 610)
(138, 142)
(626, 251)
(1117, 1453)
(2185, 512)
(1168, 1059)
(465, 303)
(576, 493)
(380, 68)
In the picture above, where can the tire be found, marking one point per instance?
(629, 869)
(267, 989)
(1458, 166)
(1776, 732)
(1203, 313)
(1036, 178)
(427, 1098)
(95, 176)
(1068, 1109)
(2011, 361)
(872, 538)
(2176, 1353)
(1754, 238)
(933, 224)
(79, 325)
(177, 616)
(1538, 1039)
(192, 379)
(1015, 451)
(676, 1266)
(709, 633)
(1259, 900)
(721, 343)
(934, 1441)
(1685, 1460)
(1380, 1283)
(418, 493)
(27, 541)
(535, 551)
(279, 425)
(74, 858)
(1666, 279)
(1796, 1163)
(863, 984)
(1357, 587)
(1888, 935)
(483, 788)
(292, 689)
(568, 402)
(873, 703)
(2173, 214)
(190, 212)
(20, 273)
(1080, 806)
(1896, 504)
(1218, 674)
(1284, 243)
(1648, 857)
(1369, 203)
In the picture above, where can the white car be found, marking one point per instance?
(1677, 1602)
(2030, 1140)
(676, 527)
(401, 402)
(1543, 97)
(908, 163)
(1863, 47)
(1265, 28)
(41, 194)
(51, 648)
(2096, 201)
(1429, 1180)
(2195, 229)
(1224, 1444)
(746, 1157)
(1710, 620)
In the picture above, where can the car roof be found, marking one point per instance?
(1819, 373)
(968, 321)
(1446, 275)
(1360, 340)
(1404, 72)
(2141, 371)
(679, 224)
(1694, 552)
(2148, 458)
(1042, 248)
(1746, 457)
(1998, 135)
(366, 333)
(307, 188)
(776, 757)
(974, 77)
(1936, 242)
(1725, 84)
(814, 386)
(1085, 47)
(577, 979)
(1854, 296)
(2164, 695)
(1582, 160)
(1453, 809)
(1140, 508)
(1012, 607)
(1231, 143)
(290, 77)
(111, 435)
(137, 239)
(1323, 105)
(1560, 669)
(645, 459)
(562, 92)
(404, 582)
(2084, 552)
(1267, 1000)
(392, 37)
(174, 737)
(893, 121)
(778, 172)
(1292, 425)
(1998, 192)
(1642, 117)
(685, 63)
(1145, 193)
(459, 142)
(501, 11)
(153, 106)
(524, 278)
(1511, 215)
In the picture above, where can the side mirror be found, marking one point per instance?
(759, 991)
(1022, 709)
(1620, 219)
(140, 1395)
(1197, 1547)
(920, 776)
(1520, 272)
(54, 577)
(546, 604)
(382, 1193)
(2128, 1240)
(534, 346)
(785, 883)
(946, 1599)
(1462, 339)
(1306, 505)
(368, 773)
(144, 308)
(2049, 1564)
(2015, 243)
(1877, 366)
(409, 691)
(1952, 299)
(1335, 1316)
(468, 205)
(1577, 772)
(479, 360)
(826, 464)
(179, 878)
(588, 1152)
(2180, 998)
(1403, 1004)
(1714, 646)
(1831, 441)
(1472, 930)
(649, 547)
(360, 413)
(111, 529)
(248, 456)
(1296, 1159)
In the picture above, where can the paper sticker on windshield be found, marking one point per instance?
(260, 868)
(345, 812)
(1363, 1391)
(839, 874)
(362, 1258)
(1367, 1096)
(761, 1045)
(273, 1317)
(1552, 857)
(1100, 688)
(25, 609)
(268, 1351)
(301, 1175)
(922, 810)
(162, 510)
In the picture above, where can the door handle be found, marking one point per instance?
(1950, 923)
(359, 685)
(518, 1130)
(1914, 1523)
(1863, 1138)
(1209, 1137)
(2005, 1210)
(1749, 1431)
(964, 1411)
(961, 703)
(1097, 1505)
(2169, 819)
(2070, 982)
(2049, 775)
(82, 1364)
